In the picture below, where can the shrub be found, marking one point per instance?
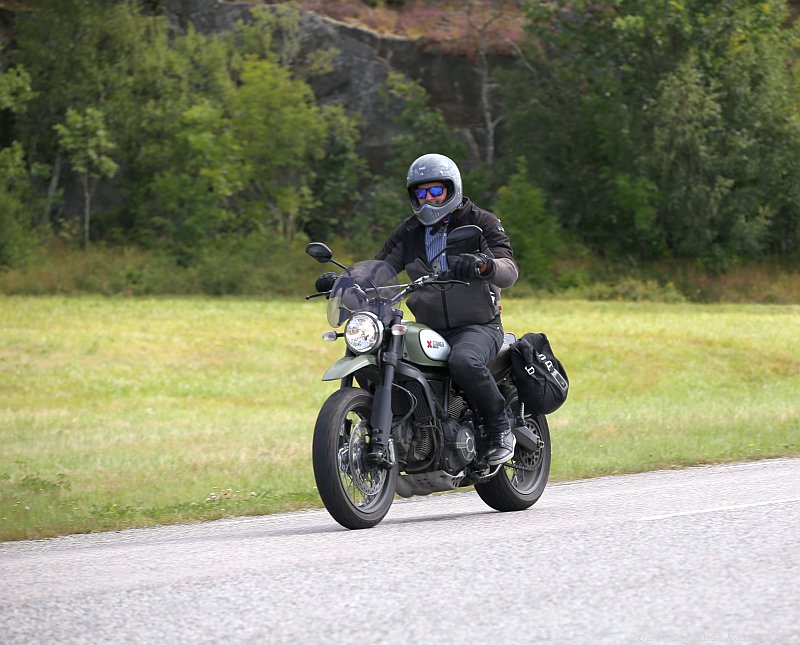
(628, 289)
(534, 232)
(255, 265)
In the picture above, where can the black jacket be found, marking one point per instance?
(476, 303)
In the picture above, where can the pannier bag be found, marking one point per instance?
(540, 377)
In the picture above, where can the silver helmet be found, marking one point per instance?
(434, 167)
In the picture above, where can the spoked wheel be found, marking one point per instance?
(521, 481)
(356, 493)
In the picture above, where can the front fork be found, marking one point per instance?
(381, 446)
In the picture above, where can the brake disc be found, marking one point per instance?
(368, 478)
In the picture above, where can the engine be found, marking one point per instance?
(457, 451)
(459, 446)
(425, 444)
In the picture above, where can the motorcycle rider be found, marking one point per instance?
(467, 316)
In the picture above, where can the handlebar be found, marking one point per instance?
(431, 279)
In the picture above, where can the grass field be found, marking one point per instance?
(120, 412)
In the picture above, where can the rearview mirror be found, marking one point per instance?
(463, 233)
(320, 252)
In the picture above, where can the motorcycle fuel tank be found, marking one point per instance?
(424, 346)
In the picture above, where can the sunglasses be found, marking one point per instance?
(433, 191)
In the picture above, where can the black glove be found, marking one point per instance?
(469, 266)
(486, 267)
(325, 281)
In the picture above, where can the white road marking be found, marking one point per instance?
(720, 508)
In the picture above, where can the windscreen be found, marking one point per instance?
(365, 286)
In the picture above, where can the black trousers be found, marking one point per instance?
(472, 349)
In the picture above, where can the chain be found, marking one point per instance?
(516, 466)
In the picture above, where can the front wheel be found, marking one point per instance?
(356, 493)
(521, 481)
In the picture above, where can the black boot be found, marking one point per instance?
(500, 439)
(501, 447)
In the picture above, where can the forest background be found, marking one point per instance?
(637, 149)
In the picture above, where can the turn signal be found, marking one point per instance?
(329, 336)
(399, 330)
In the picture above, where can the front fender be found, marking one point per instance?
(349, 365)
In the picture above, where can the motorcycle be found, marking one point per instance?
(398, 424)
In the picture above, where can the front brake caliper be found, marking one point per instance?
(344, 459)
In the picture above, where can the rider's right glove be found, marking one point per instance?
(325, 281)
(466, 267)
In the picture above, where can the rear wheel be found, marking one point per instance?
(356, 493)
(521, 481)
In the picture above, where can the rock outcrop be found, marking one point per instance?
(359, 72)
(360, 69)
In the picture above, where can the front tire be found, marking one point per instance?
(521, 481)
(357, 494)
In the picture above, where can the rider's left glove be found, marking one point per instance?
(325, 281)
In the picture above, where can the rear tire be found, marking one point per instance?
(356, 494)
(521, 481)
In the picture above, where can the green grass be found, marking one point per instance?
(120, 412)
(659, 386)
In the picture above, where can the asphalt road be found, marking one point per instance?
(704, 555)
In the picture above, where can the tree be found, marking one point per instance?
(213, 135)
(282, 134)
(86, 141)
(421, 124)
(15, 89)
(521, 206)
(76, 52)
(423, 129)
(481, 22)
(663, 128)
(175, 140)
(275, 34)
(192, 195)
(338, 175)
(480, 29)
(16, 236)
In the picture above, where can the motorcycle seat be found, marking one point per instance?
(502, 361)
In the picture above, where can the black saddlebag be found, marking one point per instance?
(540, 377)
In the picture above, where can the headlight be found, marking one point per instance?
(363, 333)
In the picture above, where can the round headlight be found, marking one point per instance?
(363, 332)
